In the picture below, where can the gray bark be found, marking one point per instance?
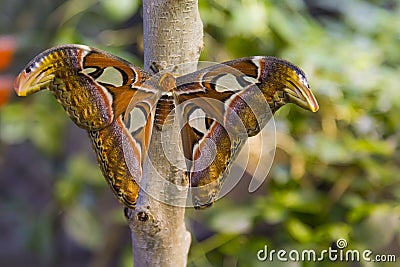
(172, 35)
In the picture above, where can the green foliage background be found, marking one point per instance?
(336, 173)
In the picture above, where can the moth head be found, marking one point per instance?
(289, 84)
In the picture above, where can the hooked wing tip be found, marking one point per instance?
(18, 85)
(313, 104)
(29, 83)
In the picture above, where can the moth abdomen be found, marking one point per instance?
(165, 111)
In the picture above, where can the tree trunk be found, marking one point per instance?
(172, 35)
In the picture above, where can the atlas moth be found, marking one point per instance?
(118, 103)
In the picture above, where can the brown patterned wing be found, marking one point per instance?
(96, 88)
(224, 104)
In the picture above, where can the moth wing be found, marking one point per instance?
(93, 86)
(220, 107)
(96, 88)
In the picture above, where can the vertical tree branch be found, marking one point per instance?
(173, 32)
(172, 35)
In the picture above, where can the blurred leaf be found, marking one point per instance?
(14, 125)
(67, 35)
(35, 122)
(380, 227)
(84, 227)
(299, 201)
(81, 168)
(41, 233)
(333, 231)
(120, 10)
(47, 126)
(360, 212)
(238, 220)
(329, 150)
(126, 258)
(299, 231)
(72, 8)
(80, 173)
(273, 214)
(249, 18)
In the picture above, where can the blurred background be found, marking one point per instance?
(336, 172)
